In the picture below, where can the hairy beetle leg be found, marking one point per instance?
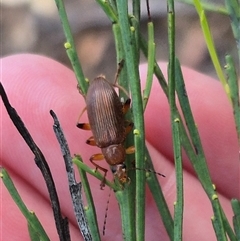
(128, 126)
(84, 126)
(99, 157)
(91, 141)
(126, 106)
(130, 150)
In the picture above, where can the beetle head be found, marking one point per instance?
(119, 171)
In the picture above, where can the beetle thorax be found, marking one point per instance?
(114, 154)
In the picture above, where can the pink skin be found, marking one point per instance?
(37, 84)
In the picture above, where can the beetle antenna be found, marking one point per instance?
(147, 170)
(121, 88)
(120, 66)
(85, 108)
(115, 84)
(106, 212)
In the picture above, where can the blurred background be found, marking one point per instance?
(33, 26)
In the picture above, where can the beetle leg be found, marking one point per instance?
(129, 126)
(84, 126)
(126, 106)
(130, 150)
(91, 141)
(99, 157)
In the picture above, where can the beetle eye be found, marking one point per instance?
(120, 168)
(123, 167)
(114, 169)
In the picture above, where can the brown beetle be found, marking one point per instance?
(106, 120)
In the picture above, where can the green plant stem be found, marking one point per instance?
(233, 7)
(135, 35)
(178, 210)
(108, 9)
(194, 147)
(236, 218)
(70, 47)
(158, 196)
(234, 92)
(123, 79)
(139, 137)
(32, 233)
(217, 219)
(227, 227)
(208, 6)
(34, 225)
(171, 65)
(178, 206)
(136, 6)
(135, 21)
(157, 71)
(127, 213)
(93, 172)
(195, 152)
(125, 197)
(151, 64)
(210, 44)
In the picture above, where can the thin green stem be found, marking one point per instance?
(236, 218)
(195, 152)
(151, 63)
(93, 172)
(127, 213)
(227, 227)
(208, 6)
(157, 71)
(32, 233)
(127, 207)
(109, 10)
(135, 35)
(234, 92)
(171, 66)
(139, 137)
(210, 45)
(178, 205)
(217, 219)
(233, 7)
(136, 6)
(194, 147)
(70, 47)
(123, 79)
(178, 210)
(135, 21)
(158, 196)
(34, 225)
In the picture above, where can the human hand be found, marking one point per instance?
(37, 84)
